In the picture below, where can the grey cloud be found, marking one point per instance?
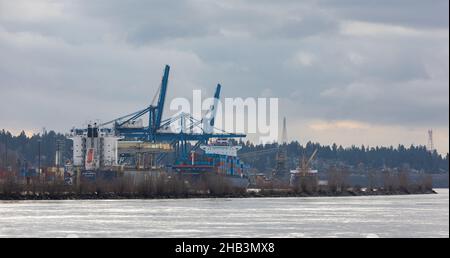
(143, 21)
(416, 13)
(389, 103)
(107, 56)
(146, 22)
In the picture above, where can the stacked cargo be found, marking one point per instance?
(229, 165)
(221, 158)
(224, 154)
(28, 172)
(54, 173)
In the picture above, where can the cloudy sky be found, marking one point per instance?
(346, 71)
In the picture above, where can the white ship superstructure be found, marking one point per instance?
(221, 147)
(94, 148)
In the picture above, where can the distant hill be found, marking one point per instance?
(23, 149)
(358, 159)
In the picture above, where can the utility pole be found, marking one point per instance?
(39, 156)
(57, 156)
(59, 150)
(6, 152)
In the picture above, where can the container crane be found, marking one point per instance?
(305, 164)
(129, 127)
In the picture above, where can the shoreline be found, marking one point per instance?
(261, 194)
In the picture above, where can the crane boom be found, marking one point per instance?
(210, 116)
(215, 105)
(162, 97)
(126, 127)
(312, 156)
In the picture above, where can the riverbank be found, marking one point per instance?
(272, 193)
(164, 186)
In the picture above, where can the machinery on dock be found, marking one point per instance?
(130, 142)
(304, 171)
(157, 130)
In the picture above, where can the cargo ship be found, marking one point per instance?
(142, 140)
(99, 154)
(218, 157)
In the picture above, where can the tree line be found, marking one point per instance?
(21, 149)
(412, 157)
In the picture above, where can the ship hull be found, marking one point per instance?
(238, 182)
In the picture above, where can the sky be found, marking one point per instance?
(351, 72)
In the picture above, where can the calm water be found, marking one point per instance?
(378, 216)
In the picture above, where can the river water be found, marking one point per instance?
(375, 216)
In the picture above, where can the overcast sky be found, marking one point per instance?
(346, 71)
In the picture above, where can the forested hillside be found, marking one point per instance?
(23, 149)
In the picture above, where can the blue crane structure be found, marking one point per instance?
(156, 131)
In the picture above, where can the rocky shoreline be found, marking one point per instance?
(261, 194)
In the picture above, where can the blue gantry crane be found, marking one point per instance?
(184, 140)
